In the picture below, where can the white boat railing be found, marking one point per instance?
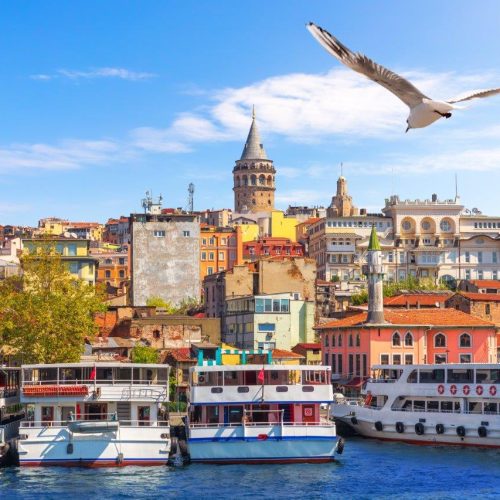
(126, 382)
(64, 423)
(261, 424)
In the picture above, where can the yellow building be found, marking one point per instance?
(52, 226)
(249, 232)
(283, 227)
(73, 252)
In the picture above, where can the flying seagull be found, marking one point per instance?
(423, 110)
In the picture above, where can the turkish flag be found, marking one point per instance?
(93, 374)
(260, 376)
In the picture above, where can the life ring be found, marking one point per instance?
(439, 429)
(368, 399)
(419, 428)
(493, 390)
(440, 388)
(201, 379)
(479, 390)
(466, 390)
(453, 389)
(262, 437)
(379, 426)
(482, 431)
(400, 427)
(461, 431)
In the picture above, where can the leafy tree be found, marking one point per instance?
(392, 288)
(159, 302)
(144, 354)
(187, 306)
(46, 314)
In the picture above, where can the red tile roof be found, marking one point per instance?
(283, 354)
(436, 317)
(414, 299)
(181, 354)
(309, 346)
(482, 297)
(486, 283)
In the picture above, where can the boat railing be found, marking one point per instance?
(260, 424)
(65, 423)
(93, 382)
(382, 380)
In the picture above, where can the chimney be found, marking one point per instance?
(434, 198)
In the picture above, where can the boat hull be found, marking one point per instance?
(128, 446)
(263, 445)
(363, 423)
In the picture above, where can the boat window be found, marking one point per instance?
(235, 414)
(456, 407)
(484, 376)
(314, 377)
(213, 414)
(419, 405)
(66, 374)
(231, 378)
(106, 375)
(459, 375)
(475, 407)
(47, 375)
(123, 373)
(433, 406)
(408, 405)
(162, 376)
(412, 378)
(446, 406)
(429, 376)
(491, 408)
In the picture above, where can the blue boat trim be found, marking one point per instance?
(269, 459)
(47, 460)
(269, 438)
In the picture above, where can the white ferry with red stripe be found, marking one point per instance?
(260, 414)
(443, 404)
(94, 414)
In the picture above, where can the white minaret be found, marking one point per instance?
(375, 274)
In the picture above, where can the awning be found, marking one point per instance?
(55, 390)
(355, 383)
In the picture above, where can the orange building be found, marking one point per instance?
(113, 271)
(408, 336)
(221, 248)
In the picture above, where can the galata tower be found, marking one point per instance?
(254, 176)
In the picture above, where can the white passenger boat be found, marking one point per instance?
(255, 414)
(445, 404)
(94, 414)
(10, 408)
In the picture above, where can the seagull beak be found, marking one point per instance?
(407, 128)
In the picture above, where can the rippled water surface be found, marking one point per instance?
(367, 469)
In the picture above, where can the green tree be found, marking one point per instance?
(156, 301)
(144, 354)
(46, 314)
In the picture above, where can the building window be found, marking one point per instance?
(440, 340)
(467, 274)
(220, 268)
(158, 234)
(465, 358)
(121, 261)
(107, 274)
(494, 257)
(480, 274)
(72, 249)
(74, 268)
(467, 256)
(396, 359)
(211, 256)
(223, 241)
(487, 309)
(210, 270)
(340, 367)
(122, 273)
(186, 233)
(439, 359)
(384, 359)
(351, 365)
(326, 340)
(340, 340)
(333, 340)
(203, 255)
(445, 226)
(350, 340)
(334, 363)
(480, 257)
(396, 339)
(266, 327)
(494, 274)
(408, 359)
(408, 339)
(465, 340)
(358, 340)
(222, 256)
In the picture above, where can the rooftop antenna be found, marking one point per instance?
(190, 197)
(341, 169)
(456, 188)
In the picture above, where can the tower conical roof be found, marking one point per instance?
(253, 149)
(374, 243)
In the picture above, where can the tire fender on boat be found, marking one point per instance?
(379, 426)
(354, 421)
(461, 431)
(419, 428)
(400, 427)
(482, 431)
(439, 429)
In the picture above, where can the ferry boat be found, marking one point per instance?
(260, 414)
(443, 404)
(94, 414)
(10, 409)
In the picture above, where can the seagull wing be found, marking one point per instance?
(476, 94)
(396, 84)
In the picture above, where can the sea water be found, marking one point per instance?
(367, 469)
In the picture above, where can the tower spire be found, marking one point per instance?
(253, 150)
(375, 275)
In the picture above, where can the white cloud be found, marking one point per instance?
(120, 73)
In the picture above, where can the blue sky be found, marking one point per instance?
(102, 100)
